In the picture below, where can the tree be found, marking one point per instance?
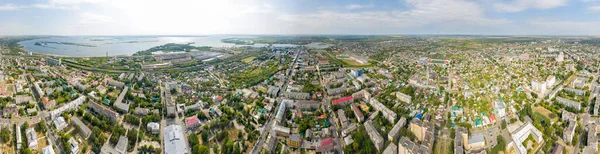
(41, 127)
(204, 135)
(5, 135)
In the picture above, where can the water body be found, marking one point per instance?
(93, 46)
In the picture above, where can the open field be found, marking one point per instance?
(545, 112)
(248, 59)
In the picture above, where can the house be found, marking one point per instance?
(192, 122)
(47, 103)
(141, 111)
(500, 108)
(153, 127)
(294, 141)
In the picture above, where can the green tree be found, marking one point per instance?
(5, 135)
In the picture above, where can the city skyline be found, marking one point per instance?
(404, 17)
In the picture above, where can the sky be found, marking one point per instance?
(360, 17)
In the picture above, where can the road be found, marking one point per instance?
(269, 123)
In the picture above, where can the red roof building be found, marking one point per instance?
(192, 122)
(342, 101)
(492, 118)
(325, 146)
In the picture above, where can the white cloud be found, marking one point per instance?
(558, 27)
(73, 2)
(595, 8)
(522, 5)
(8, 7)
(93, 18)
(445, 13)
(357, 6)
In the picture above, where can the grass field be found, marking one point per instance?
(545, 112)
(248, 59)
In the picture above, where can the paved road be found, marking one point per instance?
(269, 123)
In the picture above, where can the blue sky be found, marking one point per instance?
(201, 17)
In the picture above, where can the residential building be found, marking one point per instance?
(69, 106)
(84, 130)
(120, 147)
(153, 127)
(476, 142)
(342, 118)
(307, 105)
(395, 131)
(294, 141)
(297, 95)
(192, 122)
(326, 146)
(342, 101)
(569, 132)
(568, 102)
(270, 144)
(357, 113)
(403, 97)
(391, 149)
(119, 104)
(500, 108)
(99, 109)
(281, 131)
(351, 128)
(374, 135)
(115, 83)
(386, 112)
